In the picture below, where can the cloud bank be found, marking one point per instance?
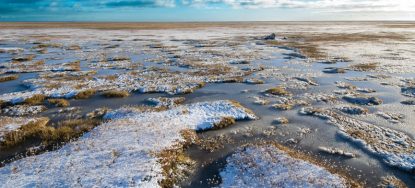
(7, 6)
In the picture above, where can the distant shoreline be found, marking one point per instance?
(172, 25)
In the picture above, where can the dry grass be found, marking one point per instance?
(49, 135)
(48, 45)
(9, 77)
(75, 66)
(24, 58)
(111, 77)
(16, 137)
(35, 99)
(59, 102)
(85, 94)
(364, 66)
(400, 26)
(309, 44)
(74, 47)
(115, 94)
(120, 58)
(278, 91)
(392, 181)
(307, 49)
(224, 122)
(283, 106)
(39, 63)
(211, 144)
(176, 165)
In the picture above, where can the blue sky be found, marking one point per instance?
(205, 10)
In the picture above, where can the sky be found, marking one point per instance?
(205, 10)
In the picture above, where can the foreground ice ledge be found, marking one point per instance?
(121, 152)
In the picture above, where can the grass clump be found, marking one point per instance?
(35, 99)
(224, 122)
(116, 94)
(24, 58)
(85, 94)
(278, 91)
(38, 131)
(365, 66)
(48, 45)
(176, 165)
(283, 106)
(74, 47)
(59, 102)
(32, 128)
(9, 77)
(74, 66)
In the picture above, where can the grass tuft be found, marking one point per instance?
(59, 102)
(24, 58)
(365, 66)
(9, 77)
(116, 94)
(224, 122)
(35, 99)
(49, 135)
(85, 94)
(278, 91)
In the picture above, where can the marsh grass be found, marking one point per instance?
(311, 45)
(9, 77)
(283, 106)
(33, 128)
(115, 94)
(365, 66)
(85, 94)
(214, 143)
(39, 63)
(24, 58)
(224, 122)
(307, 49)
(120, 58)
(59, 102)
(278, 91)
(35, 99)
(74, 66)
(48, 45)
(176, 164)
(39, 131)
(74, 47)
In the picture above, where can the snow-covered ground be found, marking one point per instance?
(268, 166)
(61, 63)
(119, 153)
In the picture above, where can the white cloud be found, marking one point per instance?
(331, 5)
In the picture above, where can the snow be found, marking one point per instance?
(22, 110)
(118, 153)
(396, 148)
(267, 166)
